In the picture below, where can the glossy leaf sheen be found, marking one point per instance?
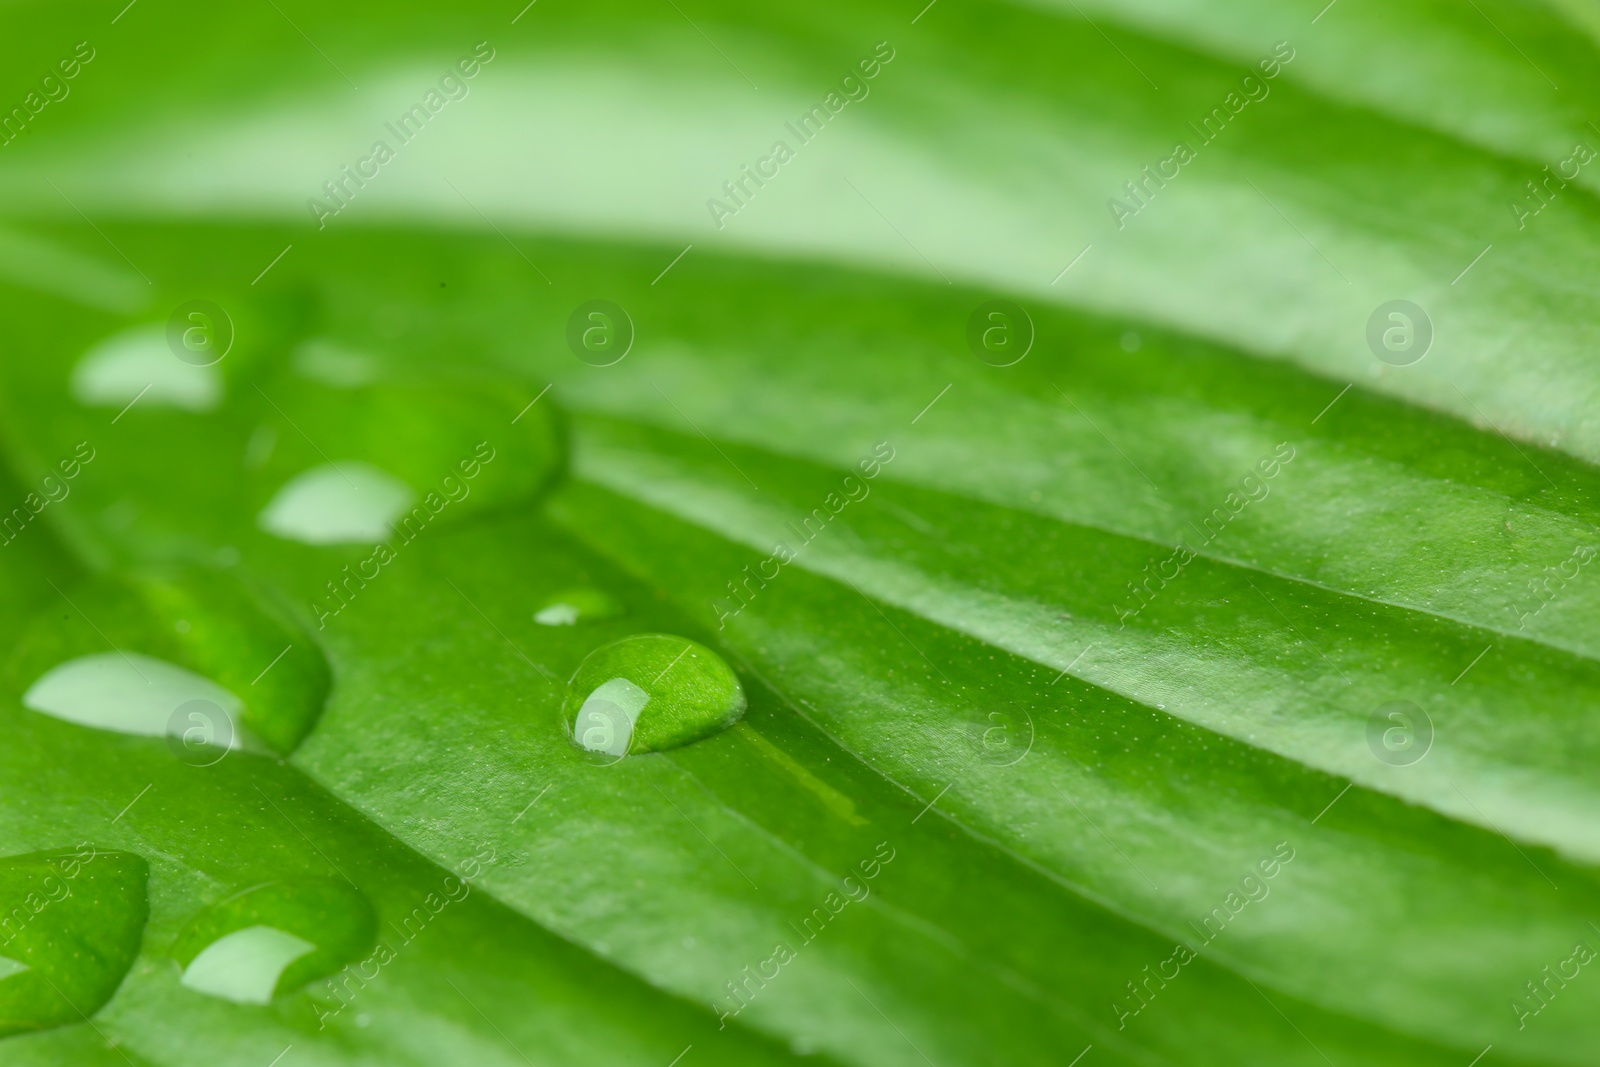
(1044, 706)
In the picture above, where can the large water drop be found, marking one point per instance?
(71, 927)
(457, 443)
(136, 694)
(246, 965)
(273, 938)
(195, 656)
(344, 503)
(136, 364)
(650, 692)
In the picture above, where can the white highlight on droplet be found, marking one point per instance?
(10, 967)
(334, 504)
(245, 966)
(137, 361)
(605, 721)
(126, 692)
(556, 615)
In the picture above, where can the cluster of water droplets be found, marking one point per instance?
(341, 443)
(75, 918)
(357, 447)
(194, 660)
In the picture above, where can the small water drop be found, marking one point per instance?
(650, 692)
(138, 364)
(558, 613)
(273, 938)
(72, 927)
(343, 503)
(577, 605)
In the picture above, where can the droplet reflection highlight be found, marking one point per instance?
(572, 606)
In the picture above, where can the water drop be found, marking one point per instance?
(245, 966)
(138, 364)
(344, 503)
(237, 676)
(273, 938)
(455, 442)
(577, 605)
(130, 693)
(650, 692)
(73, 921)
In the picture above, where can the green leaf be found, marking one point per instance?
(241, 838)
(1200, 687)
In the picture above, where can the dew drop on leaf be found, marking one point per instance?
(73, 921)
(399, 445)
(245, 966)
(273, 938)
(650, 692)
(137, 364)
(236, 675)
(128, 692)
(344, 503)
(576, 605)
